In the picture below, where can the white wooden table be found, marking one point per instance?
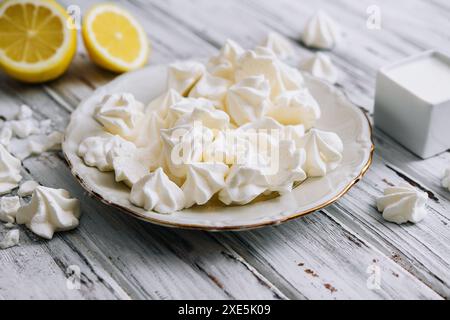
(332, 254)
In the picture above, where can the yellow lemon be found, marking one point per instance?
(36, 42)
(114, 39)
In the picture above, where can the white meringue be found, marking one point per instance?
(120, 114)
(157, 192)
(99, 151)
(162, 103)
(279, 45)
(263, 61)
(203, 180)
(185, 107)
(10, 168)
(206, 115)
(248, 100)
(50, 210)
(27, 188)
(25, 112)
(321, 31)
(228, 147)
(320, 66)
(296, 107)
(223, 65)
(323, 152)
(6, 134)
(288, 168)
(212, 88)
(402, 204)
(182, 76)
(11, 239)
(24, 128)
(129, 170)
(243, 184)
(446, 179)
(184, 145)
(8, 208)
(43, 143)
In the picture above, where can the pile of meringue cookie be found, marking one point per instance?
(236, 92)
(50, 209)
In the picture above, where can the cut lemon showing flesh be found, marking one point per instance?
(114, 39)
(36, 44)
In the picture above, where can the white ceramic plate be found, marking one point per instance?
(338, 115)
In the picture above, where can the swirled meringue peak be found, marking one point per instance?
(323, 152)
(157, 192)
(10, 168)
(279, 45)
(212, 88)
(403, 203)
(120, 114)
(296, 107)
(446, 179)
(320, 66)
(203, 180)
(248, 100)
(162, 103)
(50, 211)
(182, 76)
(203, 113)
(223, 65)
(99, 151)
(321, 31)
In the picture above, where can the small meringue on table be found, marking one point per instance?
(279, 45)
(321, 31)
(446, 179)
(10, 168)
(320, 66)
(156, 191)
(402, 204)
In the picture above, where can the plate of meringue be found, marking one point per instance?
(240, 141)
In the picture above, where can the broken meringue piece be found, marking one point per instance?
(320, 66)
(50, 210)
(321, 31)
(8, 208)
(25, 112)
(11, 239)
(6, 134)
(403, 203)
(27, 188)
(157, 192)
(10, 168)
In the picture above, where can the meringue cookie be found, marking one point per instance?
(320, 66)
(203, 180)
(27, 188)
(212, 88)
(279, 45)
(321, 31)
(162, 103)
(296, 107)
(402, 204)
(185, 107)
(8, 208)
(10, 168)
(248, 100)
(184, 145)
(263, 61)
(206, 115)
(182, 76)
(288, 169)
(157, 192)
(323, 152)
(228, 147)
(99, 151)
(6, 134)
(25, 112)
(243, 184)
(129, 170)
(294, 133)
(50, 210)
(120, 114)
(223, 65)
(11, 239)
(446, 179)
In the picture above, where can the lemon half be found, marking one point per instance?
(114, 39)
(36, 44)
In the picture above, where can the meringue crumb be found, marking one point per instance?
(11, 239)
